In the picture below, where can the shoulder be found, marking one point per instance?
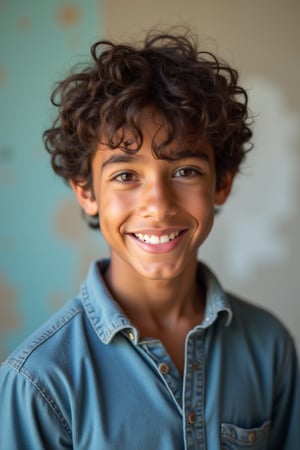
(55, 334)
(246, 313)
(71, 325)
(265, 333)
(36, 375)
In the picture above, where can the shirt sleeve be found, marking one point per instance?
(285, 427)
(27, 417)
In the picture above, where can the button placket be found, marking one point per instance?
(194, 391)
(157, 353)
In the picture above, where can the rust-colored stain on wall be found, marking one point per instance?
(68, 15)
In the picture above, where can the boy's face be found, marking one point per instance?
(154, 213)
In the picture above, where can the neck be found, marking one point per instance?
(159, 304)
(165, 309)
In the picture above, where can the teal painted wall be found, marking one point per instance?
(43, 246)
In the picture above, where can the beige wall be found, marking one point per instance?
(255, 246)
(261, 36)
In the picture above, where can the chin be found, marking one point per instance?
(160, 271)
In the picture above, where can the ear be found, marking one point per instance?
(85, 198)
(225, 188)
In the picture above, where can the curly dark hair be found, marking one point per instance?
(194, 91)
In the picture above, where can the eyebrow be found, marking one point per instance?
(125, 157)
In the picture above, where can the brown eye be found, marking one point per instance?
(125, 177)
(186, 172)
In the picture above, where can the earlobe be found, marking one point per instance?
(85, 198)
(224, 190)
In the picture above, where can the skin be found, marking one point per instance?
(137, 196)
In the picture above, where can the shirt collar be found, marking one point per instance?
(217, 302)
(108, 319)
(105, 314)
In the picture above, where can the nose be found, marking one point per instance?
(158, 200)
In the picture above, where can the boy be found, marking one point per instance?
(152, 354)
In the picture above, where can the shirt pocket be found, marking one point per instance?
(236, 438)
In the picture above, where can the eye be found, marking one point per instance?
(187, 172)
(125, 177)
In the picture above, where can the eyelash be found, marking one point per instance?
(195, 172)
(120, 175)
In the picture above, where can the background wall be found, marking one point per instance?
(43, 242)
(45, 248)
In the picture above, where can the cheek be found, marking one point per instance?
(113, 210)
(199, 202)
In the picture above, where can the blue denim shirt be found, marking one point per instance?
(86, 381)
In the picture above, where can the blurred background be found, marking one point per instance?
(46, 248)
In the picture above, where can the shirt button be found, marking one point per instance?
(251, 436)
(195, 365)
(192, 418)
(163, 368)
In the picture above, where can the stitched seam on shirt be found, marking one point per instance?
(19, 360)
(45, 395)
(90, 311)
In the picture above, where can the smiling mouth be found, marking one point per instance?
(156, 240)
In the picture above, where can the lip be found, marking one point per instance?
(164, 247)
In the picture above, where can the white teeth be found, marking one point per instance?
(156, 239)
